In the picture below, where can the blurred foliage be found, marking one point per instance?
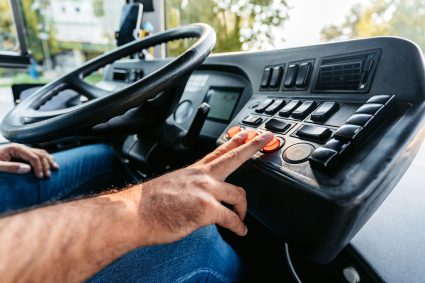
(98, 8)
(240, 24)
(8, 39)
(405, 18)
(38, 28)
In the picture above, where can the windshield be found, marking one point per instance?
(268, 24)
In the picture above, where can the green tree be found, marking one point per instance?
(7, 31)
(98, 9)
(405, 18)
(38, 28)
(240, 24)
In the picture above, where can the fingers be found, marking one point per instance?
(224, 165)
(14, 167)
(230, 194)
(230, 220)
(41, 162)
(235, 142)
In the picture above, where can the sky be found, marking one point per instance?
(307, 17)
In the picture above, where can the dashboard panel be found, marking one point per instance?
(348, 119)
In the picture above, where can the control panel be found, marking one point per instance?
(346, 124)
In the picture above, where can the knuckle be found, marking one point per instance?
(203, 182)
(255, 142)
(234, 155)
(241, 192)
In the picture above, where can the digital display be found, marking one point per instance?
(222, 102)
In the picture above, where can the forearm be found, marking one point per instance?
(70, 241)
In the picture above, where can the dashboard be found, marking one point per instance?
(348, 119)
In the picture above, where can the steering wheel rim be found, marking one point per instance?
(24, 124)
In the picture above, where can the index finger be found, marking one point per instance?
(223, 166)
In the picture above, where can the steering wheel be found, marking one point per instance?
(26, 124)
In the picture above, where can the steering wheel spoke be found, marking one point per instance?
(88, 90)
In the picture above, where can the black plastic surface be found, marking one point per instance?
(315, 211)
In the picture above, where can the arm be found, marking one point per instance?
(72, 241)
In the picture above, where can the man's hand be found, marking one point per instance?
(39, 160)
(176, 204)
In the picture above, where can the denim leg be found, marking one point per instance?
(82, 170)
(203, 256)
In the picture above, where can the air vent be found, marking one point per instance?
(348, 73)
(345, 76)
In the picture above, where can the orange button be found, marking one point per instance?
(273, 145)
(233, 131)
(251, 134)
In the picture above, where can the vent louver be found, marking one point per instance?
(343, 76)
(347, 73)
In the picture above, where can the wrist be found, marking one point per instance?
(132, 199)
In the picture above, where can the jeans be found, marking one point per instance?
(203, 256)
(82, 170)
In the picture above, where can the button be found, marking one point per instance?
(303, 74)
(338, 145)
(250, 135)
(272, 109)
(265, 81)
(233, 131)
(302, 111)
(252, 120)
(266, 103)
(360, 120)
(277, 125)
(349, 132)
(291, 74)
(324, 111)
(291, 106)
(276, 77)
(298, 153)
(314, 132)
(324, 158)
(380, 99)
(273, 145)
(370, 108)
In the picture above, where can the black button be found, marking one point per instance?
(304, 109)
(291, 74)
(272, 109)
(291, 106)
(303, 75)
(360, 120)
(277, 125)
(380, 99)
(265, 81)
(370, 108)
(324, 158)
(276, 77)
(266, 103)
(314, 132)
(349, 132)
(324, 111)
(252, 120)
(338, 145)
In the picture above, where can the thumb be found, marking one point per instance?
(14, 167)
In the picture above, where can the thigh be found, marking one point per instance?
(203, 256)
(81, 170)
